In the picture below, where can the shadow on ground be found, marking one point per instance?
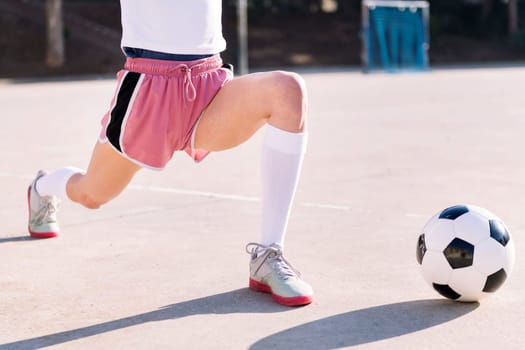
(236, 301)
(366, 325)
(16, 239)
(343, 330)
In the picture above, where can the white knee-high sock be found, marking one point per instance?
(281, 162)
(54, 184)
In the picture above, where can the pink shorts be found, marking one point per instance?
(157, 105)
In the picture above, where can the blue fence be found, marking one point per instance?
(395, 35)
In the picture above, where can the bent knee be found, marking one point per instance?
(290, 84)
(291, 99)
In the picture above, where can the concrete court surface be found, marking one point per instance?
(163, 266)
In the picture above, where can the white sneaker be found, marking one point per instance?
(271, 273)
(42, 212)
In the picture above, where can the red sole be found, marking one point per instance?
(42, 234)
(287, 301)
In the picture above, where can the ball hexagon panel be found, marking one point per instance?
(468, 282)
(438, 234)
(435, 268)
(488, 215)
(459, 253)
(489, 256)
(471, 227)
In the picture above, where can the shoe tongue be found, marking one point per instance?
(272, 252)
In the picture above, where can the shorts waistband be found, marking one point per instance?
(144, 53)
(173, 68)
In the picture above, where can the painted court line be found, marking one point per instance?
(225, 196)
(199, 193)
(194, 193)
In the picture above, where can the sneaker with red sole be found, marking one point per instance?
(42, 212)
(271, 273)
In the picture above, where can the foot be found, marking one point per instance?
(42, 212)
(271, 273)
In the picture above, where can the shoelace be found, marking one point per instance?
(46, 212)
(274, 256)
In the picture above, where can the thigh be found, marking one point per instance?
(246, 103)
(107, 176)
(234, 115)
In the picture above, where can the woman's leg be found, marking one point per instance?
(240, 108)
(106, 177)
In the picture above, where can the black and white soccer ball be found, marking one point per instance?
(465, 253)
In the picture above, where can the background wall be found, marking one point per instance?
(281, 33)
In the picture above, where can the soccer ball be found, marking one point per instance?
(465, 253)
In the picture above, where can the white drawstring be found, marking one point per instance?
(189, 89)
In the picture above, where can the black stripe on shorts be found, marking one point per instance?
(128, 86)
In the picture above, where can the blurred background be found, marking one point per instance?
(281, 33)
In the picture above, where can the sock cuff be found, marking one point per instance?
(285, 141)
(55, 183)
